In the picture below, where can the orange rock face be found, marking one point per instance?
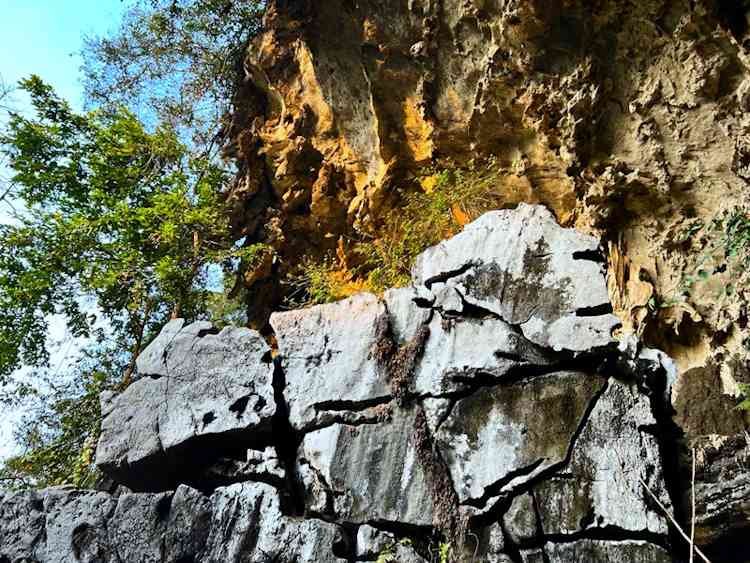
(627, 119)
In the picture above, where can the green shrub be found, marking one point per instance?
(320, 281)
(448, 200)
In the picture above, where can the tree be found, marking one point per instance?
(179, 61)
(121, 216)
(112, 211)
(61, 424)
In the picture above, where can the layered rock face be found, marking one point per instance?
(469, 414)
(627, 119)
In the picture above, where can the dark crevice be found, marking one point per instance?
(510, 547)
(731, 15)
(239, 406)
(351, 406)
(473, 311)
(672, 448)
(496, 487)
(164, 507)
(423, 303)
(376, 416)
(445, 276)
(595, 311)
(605, 533)
(402, 529)
(206, 331)
(590, 255)
(539, 523)
(345, 545)
(208, 418)
(286, 442)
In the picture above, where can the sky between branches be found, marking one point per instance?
(44, 37)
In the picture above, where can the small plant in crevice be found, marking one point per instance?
(447, 200)
(719, 271)
(389, 555)
(445, 552)
(320, 281)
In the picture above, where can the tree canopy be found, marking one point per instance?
(178, 61)
(120, 222)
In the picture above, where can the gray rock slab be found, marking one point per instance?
(242, 522)
(602, 484)
(328, 353)
(76, 526)
(502, 436)
(22, 526)
(368, 472)
(247, 525)
(216, 392)
(462, 349)
(522, 266)
(602, 551)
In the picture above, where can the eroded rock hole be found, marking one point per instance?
(208, 418)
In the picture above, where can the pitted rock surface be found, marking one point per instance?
(390, 426)
(241, 523)
(202, 391)
(328, 357)
(367, 473)
(501, 437)
(523, 267)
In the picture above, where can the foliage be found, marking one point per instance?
(445, 552)
(114, 214)
(724, 253)
(59, 431)
(388, 555)
(448, 200)
(177, 61)
(745, 403)
(320, 281)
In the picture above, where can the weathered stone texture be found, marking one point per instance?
(201, 390)
(387, 426)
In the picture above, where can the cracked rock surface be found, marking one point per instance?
(390, 429)
(197, 391)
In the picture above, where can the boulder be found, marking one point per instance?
(523, 267)
(462, 352)
(209, 394)
(615, 457)
(22, 526)
(610, 551)
(367, 473)
(329, 357)
(247, 525)
(242, 522)
(503, 436)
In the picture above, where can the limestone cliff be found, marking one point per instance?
(626, 118)
(485, 413)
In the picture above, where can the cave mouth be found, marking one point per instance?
(732, 15)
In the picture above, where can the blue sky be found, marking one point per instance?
(44, 37)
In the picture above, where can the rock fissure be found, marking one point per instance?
(501, 487)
